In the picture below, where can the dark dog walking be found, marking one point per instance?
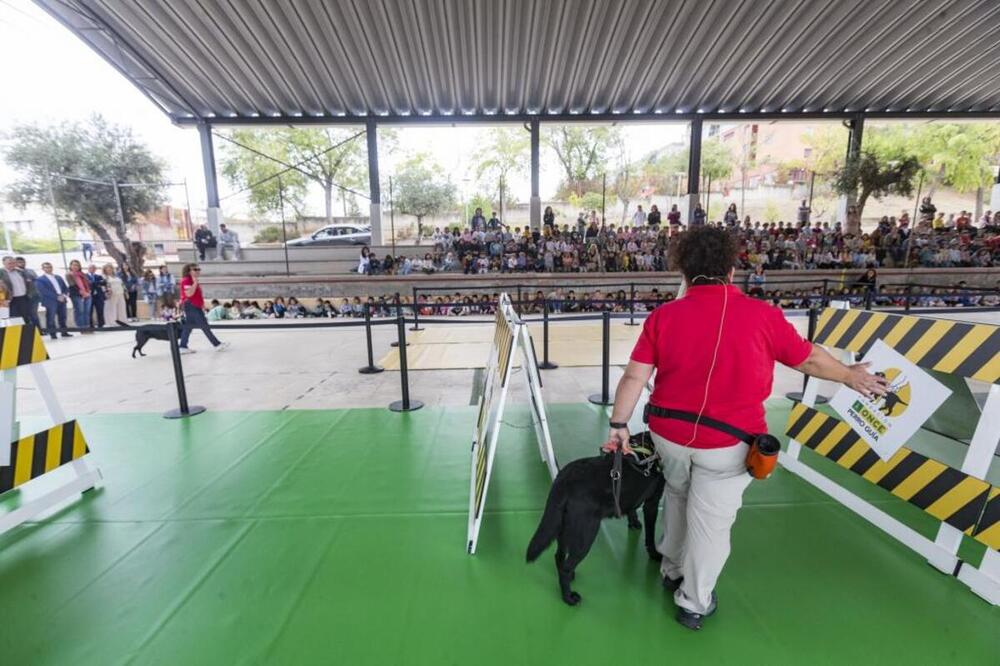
(145, 333)
(581, 497)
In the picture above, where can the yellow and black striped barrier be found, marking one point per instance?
(503, 342)
(966, 503)
(21, 345)
(34, 455)
(957, 348)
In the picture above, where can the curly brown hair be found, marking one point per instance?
(703, 252)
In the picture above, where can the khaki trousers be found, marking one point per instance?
(704, 490)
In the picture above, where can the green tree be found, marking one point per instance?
(421, 189)
(333, 158)
(582, 153)
(101, 153)
(869, 175)
(716, 162)
(502, 155)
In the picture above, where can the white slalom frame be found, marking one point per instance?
(942, 552)
(494, 399)
(85, 478)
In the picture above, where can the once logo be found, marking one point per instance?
(897, 399)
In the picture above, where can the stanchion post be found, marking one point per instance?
(416, 312)
(404, 405)
(545, 364)
(399, 311)
(184, 410)
(371, 368)
(826, 293)
(631, 305)
(604, 397)
(906, 291)
(796, 396)
(518, 306)
(868, 297)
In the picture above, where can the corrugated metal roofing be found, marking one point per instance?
(287, 59)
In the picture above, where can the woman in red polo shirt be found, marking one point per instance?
(193, 308)
(714, 352)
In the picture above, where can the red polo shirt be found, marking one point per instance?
(196, 299)
(679, 339)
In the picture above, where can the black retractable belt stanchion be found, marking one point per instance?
(603, 398)
(796, 396)
(517, 307)
(826, 292)
(631, 305)
(175, 354)
(416, 313)
(868, 297)
(371, 368)
(399, 312)
(907, 292)
(545, 364)
(404, 405)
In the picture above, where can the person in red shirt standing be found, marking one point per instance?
(714, 351)
(193, 308)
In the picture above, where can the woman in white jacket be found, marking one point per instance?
(364, 262)
(114, 302)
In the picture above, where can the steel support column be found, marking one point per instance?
(214, 212)
(694, 166)
(535, 207)
(375, 214)
(995, 195)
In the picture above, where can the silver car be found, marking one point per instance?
(336, 234)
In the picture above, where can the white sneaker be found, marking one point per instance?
(222, 346)
(186, 350)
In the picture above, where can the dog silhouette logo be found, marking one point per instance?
(897, 398)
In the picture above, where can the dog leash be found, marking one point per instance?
(644, 467)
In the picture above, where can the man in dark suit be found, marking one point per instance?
(30, 277)
(97, 286)
(54, 294)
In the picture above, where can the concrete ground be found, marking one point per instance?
(273, 369)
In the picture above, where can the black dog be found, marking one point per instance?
(581, 497)
(145, 333)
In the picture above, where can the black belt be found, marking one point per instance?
(691, 417)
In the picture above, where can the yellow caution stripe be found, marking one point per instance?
(34, 455)
(503, 342)
(952, 496)
(958, 348)
(21, 345)
(988, 529)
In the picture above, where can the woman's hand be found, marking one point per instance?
(617, 437)
(865, 383)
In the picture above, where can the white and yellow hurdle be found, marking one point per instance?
(25, 459)
(966, 504)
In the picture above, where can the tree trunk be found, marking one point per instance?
(420, 227)
(328, 201)
(109, 242)
(624, 211)
(979, 205)
(853, 225)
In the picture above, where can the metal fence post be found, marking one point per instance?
(631, 305)
(545, 364)
(404, 405)
(184, 409)
(604, 397)
(906, 290)
(416, 313)
(371, 368)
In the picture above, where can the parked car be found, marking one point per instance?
(336, 234)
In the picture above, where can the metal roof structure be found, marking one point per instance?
(259, 61)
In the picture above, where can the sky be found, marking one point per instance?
(48, 75)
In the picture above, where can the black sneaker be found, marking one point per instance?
(694, 620)
(67, 335)
(671, 584)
